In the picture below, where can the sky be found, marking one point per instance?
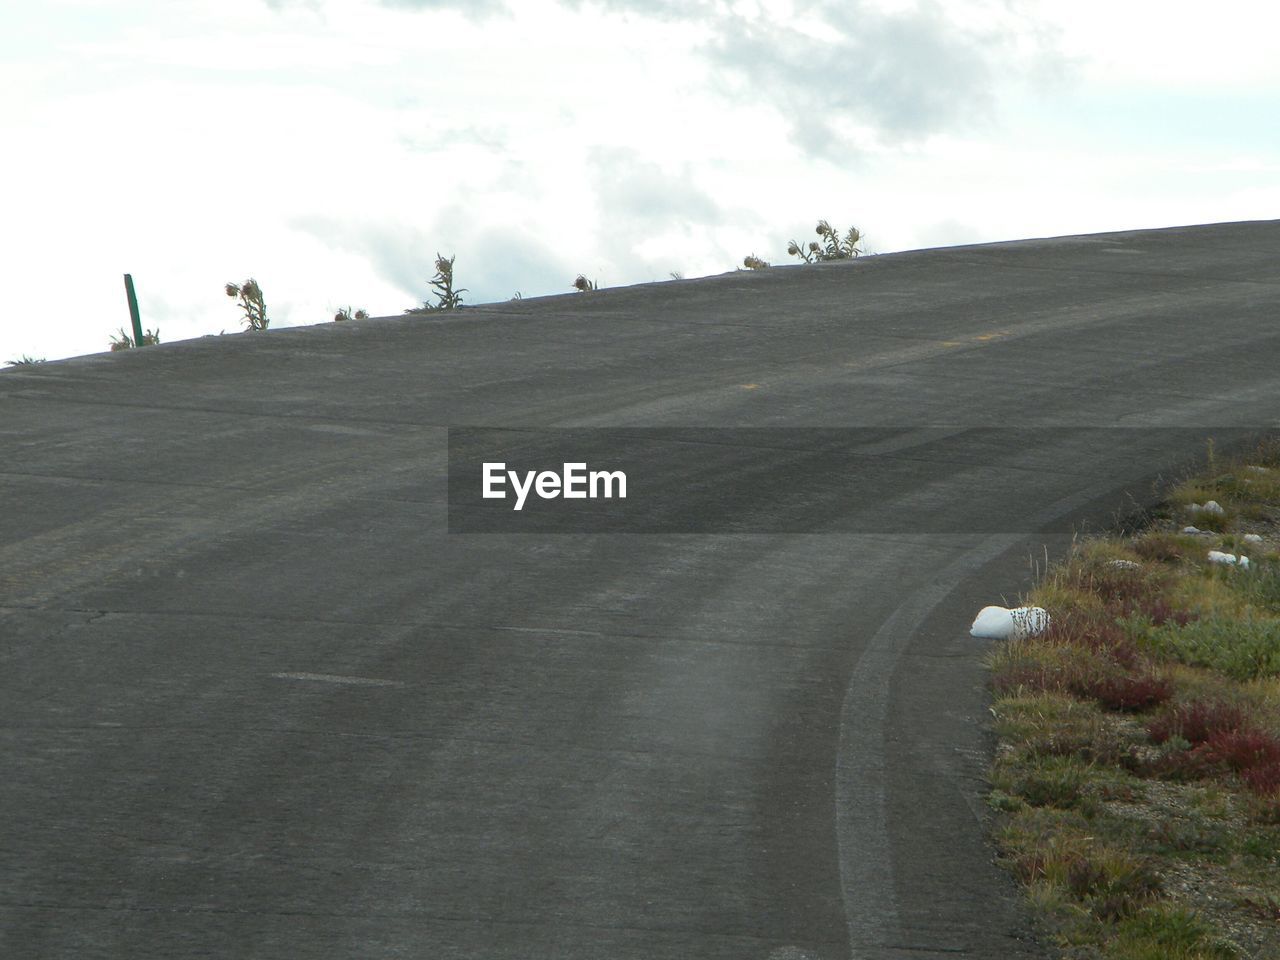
(331, 148)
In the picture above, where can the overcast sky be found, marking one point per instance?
(329, 148)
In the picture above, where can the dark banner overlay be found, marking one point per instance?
(810, 480)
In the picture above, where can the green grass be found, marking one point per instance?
(1242, 648)
(1169, 933)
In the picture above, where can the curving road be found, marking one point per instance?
(258, 703)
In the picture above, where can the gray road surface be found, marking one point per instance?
(258, 703)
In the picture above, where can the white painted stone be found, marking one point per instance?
(1211, 507)
(1001, 623)
(1228, 559)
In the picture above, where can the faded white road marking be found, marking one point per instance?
(334, 678)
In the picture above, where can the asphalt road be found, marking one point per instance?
(259, 703)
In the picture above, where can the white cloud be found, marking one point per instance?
(331, 148)
(1180, 46)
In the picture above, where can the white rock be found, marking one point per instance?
(1190, 529)
(1259, 469)
(1124, 564)
(1217, 556)
(1001, 623)
(1211, 507)
(1253, 537)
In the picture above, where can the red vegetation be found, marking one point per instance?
(1196, 721)
(1108, 668)
(1222, 742)
(1127, 693)
(1161, 612)
(1263, 780)
(1243, 749)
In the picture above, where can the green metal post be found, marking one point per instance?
(133, 310)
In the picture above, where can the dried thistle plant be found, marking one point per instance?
(346, 314)
(447, 298)
(832, 247)
(752, 262)
(583, 285)
(125, 342)
(251, 302)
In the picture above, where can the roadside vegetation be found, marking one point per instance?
(251, 303)
(123, 341)
(1137, 773)
(447, 298)
(344, 313)
(832, 245)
